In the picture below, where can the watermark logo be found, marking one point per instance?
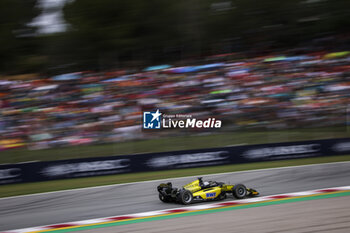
(158, 120)
(152, 120)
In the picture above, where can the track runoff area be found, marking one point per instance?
(185, 211)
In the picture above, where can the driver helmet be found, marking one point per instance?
(206, 183)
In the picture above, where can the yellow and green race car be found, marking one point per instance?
(202, 191)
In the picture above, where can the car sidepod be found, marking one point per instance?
(208, 194)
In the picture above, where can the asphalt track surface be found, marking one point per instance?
(327, 215)
(75, 205)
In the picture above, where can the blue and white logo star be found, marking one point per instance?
(156, 115)
(152, 120)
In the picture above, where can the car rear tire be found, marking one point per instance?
(186, 197)
(239, 191)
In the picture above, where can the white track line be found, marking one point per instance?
(179, 210)
(177, 178)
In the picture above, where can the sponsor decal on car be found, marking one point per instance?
(210, 195)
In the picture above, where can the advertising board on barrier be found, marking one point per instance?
(93, 168)
(341, 147)
(64, 169)
(283, 152)
(10, 175)
(190, 159)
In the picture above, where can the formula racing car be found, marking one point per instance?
(202, 191)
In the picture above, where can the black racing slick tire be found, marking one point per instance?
(163, 198)
(239, 191)
(186, 197)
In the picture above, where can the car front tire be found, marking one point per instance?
(239, 191)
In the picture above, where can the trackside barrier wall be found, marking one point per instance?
(64, 169)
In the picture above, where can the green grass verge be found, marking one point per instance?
(172, 144)
(38, 187)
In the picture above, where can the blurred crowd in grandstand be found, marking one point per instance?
(286, 90)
